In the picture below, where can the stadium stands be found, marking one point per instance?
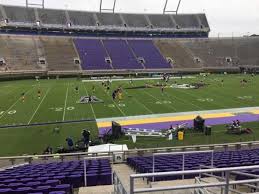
(79, 18)
(20, 53)
(146, 49)
(180, 56)
(18, 14)
(187, 21)
(225, 52)
(59, 53)
(48, 16)
(107, 19)
(161, 21)
(167, 163)
(135, 20)
(55, 176)
(92, 54)
(121, 55)
(108, 24)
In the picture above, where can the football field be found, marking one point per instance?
(58, 102)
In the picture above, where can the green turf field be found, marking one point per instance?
(58, 103)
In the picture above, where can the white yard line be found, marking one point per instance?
(14, 103)
(38, 107)
(90, 103)
(122, 112)
(65, 105)
(150, 111)
(184, 101)
(157, 99)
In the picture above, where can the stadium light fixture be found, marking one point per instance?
(40, 4)
(171, 11)
(110, 9)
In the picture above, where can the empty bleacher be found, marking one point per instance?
(180, 56)
(49, 16)
(61, 177)
(146, 49)
(106, 19)
(92, 54)
(167, 163)
(20, 53)
(215, 52)
(60, 53)
(135, 20)
(19, 14)
(121, 55)
(80, 18)
(161, 21)
(186, 21)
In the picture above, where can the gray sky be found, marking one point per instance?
(225, 16)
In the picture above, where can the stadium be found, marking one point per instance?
(115, 102)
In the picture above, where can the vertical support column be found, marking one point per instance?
(212, 159)
(183, 165)
(85, 173)
(153, 178)
(178, 6)
(227, 182)
(164, 10)
(131, 185)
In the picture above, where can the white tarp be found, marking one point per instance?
(107, 148)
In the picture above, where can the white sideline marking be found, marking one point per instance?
(38, 106)
(65, 105)
(90, 103)
(230, 110)
(14, 103)
(135, 79)
(114, 102)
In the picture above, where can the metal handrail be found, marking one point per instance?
(133, 151)
(226, 184)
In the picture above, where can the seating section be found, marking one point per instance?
(187, 21)
(135, 20)
(48, 16)
(60, 53)
(19, 14)
(214, 52)
(55, 176)
(20, 53)
(180, 55)
(107, 19)
(166, 163)
(79, 18)
(146, 49)
(121, 55)
(161, 21)
(92, 54)
(112, 21)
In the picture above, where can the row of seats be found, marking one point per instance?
(166, 163)
(80, 18)
(61, 53)
(123, 54)
(55, 176)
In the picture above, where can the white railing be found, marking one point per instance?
(224, 184)
(183, 159)
(134, 152)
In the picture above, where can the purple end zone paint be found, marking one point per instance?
(166, 125)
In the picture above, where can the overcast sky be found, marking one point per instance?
(226, 17)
